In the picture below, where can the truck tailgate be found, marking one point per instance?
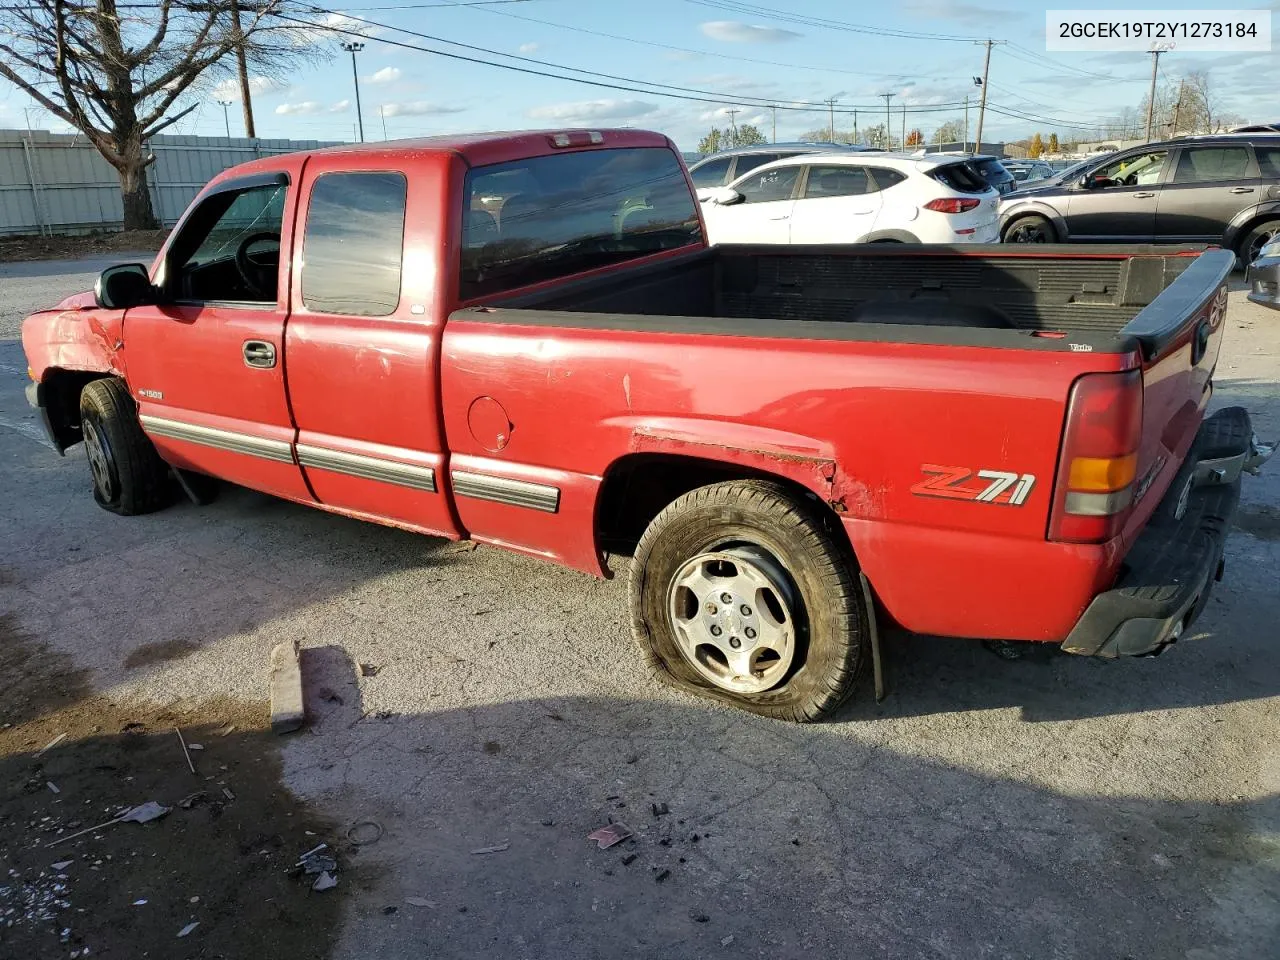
(1179, 335)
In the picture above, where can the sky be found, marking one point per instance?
(723, 54)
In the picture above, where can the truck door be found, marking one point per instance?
(205, 363)
(363, 341)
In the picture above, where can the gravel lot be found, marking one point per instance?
(1051, 807)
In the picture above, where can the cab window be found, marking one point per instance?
(1211, 163)
(1140, 170)
(229, 248)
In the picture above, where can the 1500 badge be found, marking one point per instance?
(984, 486)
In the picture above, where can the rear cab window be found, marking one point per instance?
(542, 218)
(353, 243)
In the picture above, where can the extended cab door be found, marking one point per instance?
(205, 364)
(363, 341)
(839, 204)
(764, 213)
(1120, 203)
(1210, 185)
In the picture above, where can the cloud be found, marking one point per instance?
(594, 111)
(385, 75)
(735, 31)
(529, 47)
(305, 108)
(969, 14)
(340, 107)
(417, 108)
(332, 29)
(229, 89)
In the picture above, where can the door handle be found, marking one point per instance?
(1144, 195)
(259, 354)
(1242, 189)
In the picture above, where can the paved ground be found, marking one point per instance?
(1052, 808)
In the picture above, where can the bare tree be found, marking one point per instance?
(116, 73)
(952, 131)
(1203, 103)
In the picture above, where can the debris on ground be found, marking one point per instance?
(326, 881)
(496, 848)
(420, 902)
(186, 931)
(191, 799)
(629, 859)
(185, 752)
(660, 809)
(50, 745)
(61, 865)
(364, 832)
(607, 837)
(195, 746)
(697, 916)
(287, 709)
(661, 876)
(53, 787)
(369, 669)
(145, 812)
(226, 792)
(725, 941)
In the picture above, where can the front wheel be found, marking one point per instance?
(1032, 229)
(1257, 238)
(747, 593)
(129, 477)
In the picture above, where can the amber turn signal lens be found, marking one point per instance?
(1102, 474)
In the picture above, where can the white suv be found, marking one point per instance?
(859, 198)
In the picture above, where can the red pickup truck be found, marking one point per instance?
(523, 339)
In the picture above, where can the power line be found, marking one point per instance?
(672, 47)
(750, 9)
(628, 84)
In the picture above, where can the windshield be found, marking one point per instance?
(547, 217)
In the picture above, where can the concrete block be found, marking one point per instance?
(287, 713)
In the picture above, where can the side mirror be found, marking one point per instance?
(725, 196)
(124, 286)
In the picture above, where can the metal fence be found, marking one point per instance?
(59, 183)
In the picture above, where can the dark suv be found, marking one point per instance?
(1220, 189)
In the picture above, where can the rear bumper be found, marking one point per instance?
(1168, 574)
(1264, 281)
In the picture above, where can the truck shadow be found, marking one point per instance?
(746, 834)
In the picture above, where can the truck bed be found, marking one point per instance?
(1099, 296)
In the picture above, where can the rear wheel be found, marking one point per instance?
(745, 593)
(129, 477)
(1030, 229)
(1257, 238)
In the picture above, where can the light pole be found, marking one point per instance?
(225, 118)
(353, 47)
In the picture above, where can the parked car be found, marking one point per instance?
(1028, 171)
(1223, 190)
(726, 166)
(1264, 274)
(860, 198)
(794, 445)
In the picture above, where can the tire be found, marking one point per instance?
(1253, 242)
(1030, 229)
(129, 478)
(760, 528)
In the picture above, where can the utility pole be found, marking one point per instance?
(774, 111)
(226, 120)
(855, 124)
(383, 115)
(887, 128)
(965, 148)
(831, 119)
(904, 126)
(353, 47)
(242, 71)
(733, 123)
(1155, 51)
(982, 105)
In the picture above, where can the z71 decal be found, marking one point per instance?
(987, 486)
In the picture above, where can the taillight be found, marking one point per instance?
(951, 205)
(1099, 460)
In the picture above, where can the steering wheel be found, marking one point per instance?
(257, 276)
